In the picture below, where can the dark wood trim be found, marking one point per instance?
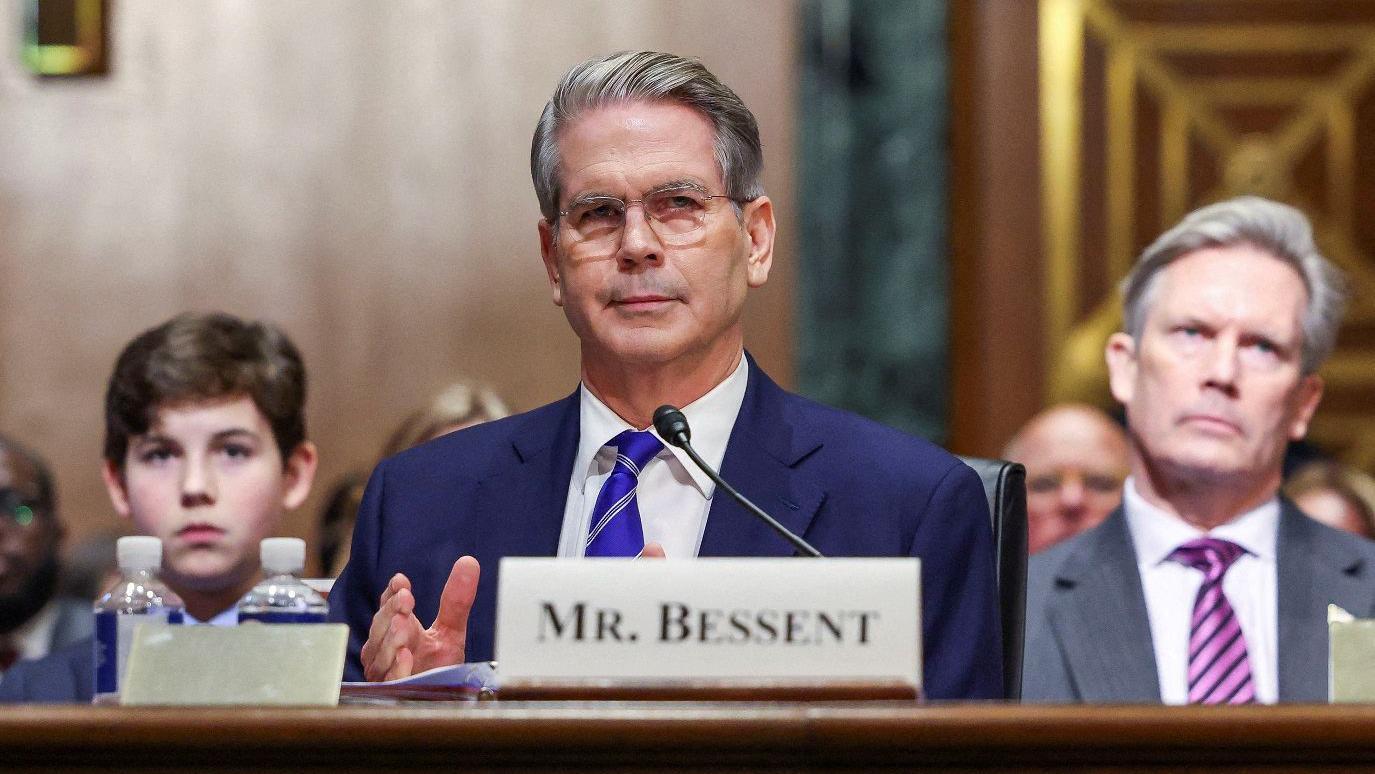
(964, 233)
(689, 736)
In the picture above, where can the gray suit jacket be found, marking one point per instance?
(75, 622)
(1088, 638)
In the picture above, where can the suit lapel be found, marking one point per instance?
(73, 623)
(762, 455)
(1099, 618)
(529, 494)
(1313, 570)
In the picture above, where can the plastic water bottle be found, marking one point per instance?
(139, 597)
(282, 597)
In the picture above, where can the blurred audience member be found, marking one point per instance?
(33, 618)
(336, 523)
(1076, 459)
(1335, 495)
(458, 406)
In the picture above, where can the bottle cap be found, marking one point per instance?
(282, 556)
(138, 552)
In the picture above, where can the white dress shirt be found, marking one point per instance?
(673, 495)
(34, 637)
(1171, 588)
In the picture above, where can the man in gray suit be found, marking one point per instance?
(1206, 586)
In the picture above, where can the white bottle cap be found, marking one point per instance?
(283, 556)
(138, 552)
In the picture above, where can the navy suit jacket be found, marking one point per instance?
(63, 676)
(66, 673)
(850, 486)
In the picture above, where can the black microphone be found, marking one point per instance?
(673, 427)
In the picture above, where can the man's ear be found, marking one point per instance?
(114, 486)
(760, 227)
(1122, 364)
(299, 473)
(549, 253)
(1307, 398)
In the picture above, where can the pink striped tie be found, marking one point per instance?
(1219, 669)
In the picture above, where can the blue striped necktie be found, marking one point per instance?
(615, 528)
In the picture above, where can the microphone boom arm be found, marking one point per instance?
(673, 427)
(802, 546)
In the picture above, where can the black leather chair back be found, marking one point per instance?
(1005, 484)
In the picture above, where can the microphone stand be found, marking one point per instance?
(672, 425)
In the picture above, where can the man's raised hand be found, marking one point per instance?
(398, 646)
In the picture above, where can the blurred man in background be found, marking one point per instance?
(1207, 587)
(1076, 460)
(1335, 495)
(33, 620)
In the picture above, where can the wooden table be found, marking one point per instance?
(687, 736)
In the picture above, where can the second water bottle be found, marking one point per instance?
(282, 597)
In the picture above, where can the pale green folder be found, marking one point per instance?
(1351, 665)
(251, 664)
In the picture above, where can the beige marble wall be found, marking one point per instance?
(356, 171)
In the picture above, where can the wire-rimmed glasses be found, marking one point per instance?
(675, 214)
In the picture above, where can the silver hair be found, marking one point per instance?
(630, 76)
(1276, 228)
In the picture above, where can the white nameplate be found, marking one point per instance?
(249, 664)
(741, 620)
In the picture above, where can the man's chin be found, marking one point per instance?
(646, 346)
(1202, 467)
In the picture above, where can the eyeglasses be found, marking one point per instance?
(675, 215)
(16, 510)
(1095, 483)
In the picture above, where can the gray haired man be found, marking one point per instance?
(1207, 587)
(655, 228)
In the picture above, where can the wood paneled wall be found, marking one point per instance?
(356, 171)
(996, 361)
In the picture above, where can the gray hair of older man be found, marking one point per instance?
(631, 76)
(1279, 230)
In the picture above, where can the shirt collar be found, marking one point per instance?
(711, 417)
(227, 617)
(1156, 533)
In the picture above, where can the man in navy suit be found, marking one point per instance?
(655, 226)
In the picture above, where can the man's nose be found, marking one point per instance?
(1221, 367)
(639, 243)
(1072, 492)
(198, 484)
